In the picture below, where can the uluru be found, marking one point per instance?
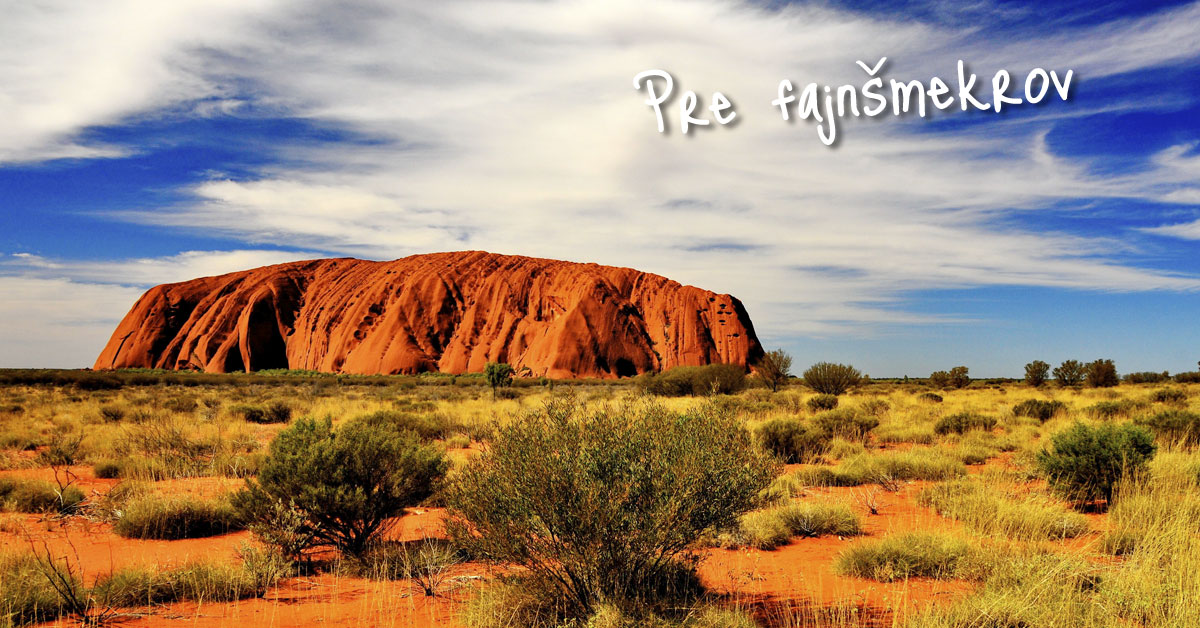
(440, 312)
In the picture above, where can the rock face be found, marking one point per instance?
(447, 312)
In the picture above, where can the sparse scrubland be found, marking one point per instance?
(678, 499)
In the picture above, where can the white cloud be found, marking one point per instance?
(513, 127)
(57, 323)
(148, 271)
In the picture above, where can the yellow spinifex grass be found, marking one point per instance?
(992, 505)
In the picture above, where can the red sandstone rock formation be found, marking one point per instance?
(447, 312)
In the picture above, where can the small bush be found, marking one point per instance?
(112, 414)
(963, 422)
(793, 440)
(1169, 395)
(1086, 463)
(425, 562)
(931, 397)
(275, 412)
(1174, 426)
(769, 529)
(1109, 409)
(817, 403)
(846, 424)
(1038, 409)
(347, 485)
(875, 407)
(37, 496)
(426, 426)
(832, 379)
(681, 381)
(106, 470)
(910, 555)
(154, 517)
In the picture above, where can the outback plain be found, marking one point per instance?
(696, 497)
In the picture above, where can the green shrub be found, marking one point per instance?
(681, 381)
(832, 379)
(1101, 374)
(1038, 409)
(106, 470)
(960, 377)
(1192, 377)
(1147, 377)
(792, 440)
(426, 426)
(774, 369)
(1109, 409)
(278, 412)
(1174, 426)
(931, 397)
(37, 496)
(910, 555)
(498, 375)
(875, 407)
(347, 485)
(170, 518)
(1069, 373)
(275, 412)
(1036, 373)
(1169, 395)
(822, 402)
(1085, 463)
(600, 505)
(845, 423)
(963, 422)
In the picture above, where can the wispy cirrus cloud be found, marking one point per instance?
(512, 127)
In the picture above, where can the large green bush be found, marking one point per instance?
(600, 505)
(832, 379)
(345, 485)
(1085, 463)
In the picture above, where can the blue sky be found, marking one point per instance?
(146, 142)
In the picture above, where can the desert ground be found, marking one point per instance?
(903, 504)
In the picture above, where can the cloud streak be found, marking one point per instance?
(512, 127)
